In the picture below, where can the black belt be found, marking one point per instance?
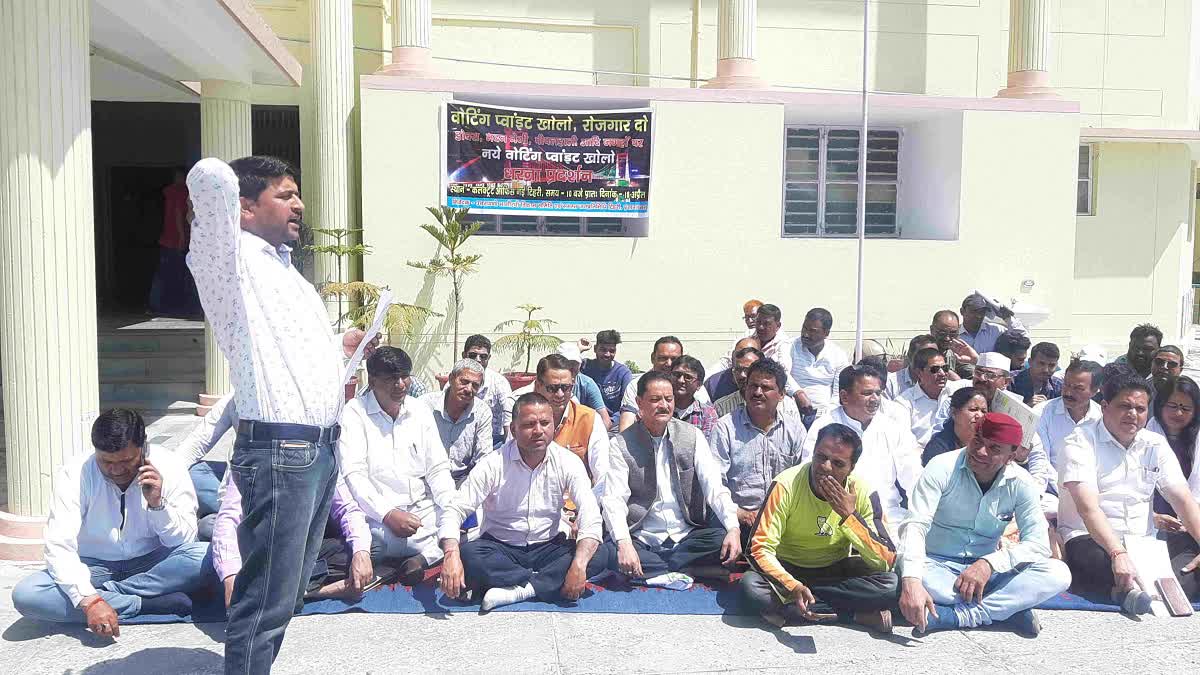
(279, 431)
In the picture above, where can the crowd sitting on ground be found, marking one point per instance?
(835, 490)
(840, 491)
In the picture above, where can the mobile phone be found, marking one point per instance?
(376, 582)
(1173, 596)
(145, 488)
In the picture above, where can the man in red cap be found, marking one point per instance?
(953, 575)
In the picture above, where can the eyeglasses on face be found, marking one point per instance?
(934, 370)
(1175, 407)
(480, 356)
(987, 375)
(1169, 364)
(558, 388)
(684, 376)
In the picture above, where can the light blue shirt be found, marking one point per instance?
(587, 392)
(950, 516)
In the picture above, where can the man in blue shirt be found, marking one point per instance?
(953, 573)
(1036, 383)
(586, 391)
(611, 376)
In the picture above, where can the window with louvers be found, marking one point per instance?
(1085, 194)
(821, 182)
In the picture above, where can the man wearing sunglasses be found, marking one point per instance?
(921, 399)
(990, 375)
(495, 390)
(576, 426)
(1168, 362)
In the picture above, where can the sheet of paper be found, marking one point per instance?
(1010, 404)
(1151, 560)
(381, 310)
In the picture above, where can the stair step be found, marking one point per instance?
(135, 342)
(19, 549)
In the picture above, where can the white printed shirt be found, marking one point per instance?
(284, 361)
(87, 520)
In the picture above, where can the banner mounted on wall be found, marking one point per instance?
(547, 162)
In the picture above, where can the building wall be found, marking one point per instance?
(714, 234)
(1133, 258)
(1130, 63)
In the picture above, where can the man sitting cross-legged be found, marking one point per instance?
(800, 550)
(335, 573)
(523, 551)
(953, 573)
(392, 457)
(121, 538)
(757, 442)
(665, 480)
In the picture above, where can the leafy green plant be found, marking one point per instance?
(533, 334)
(357, 300)
(451, 232)
(633, 366)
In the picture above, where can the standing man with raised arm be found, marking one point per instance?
(286, 369)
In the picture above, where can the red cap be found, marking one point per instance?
(1000, 428)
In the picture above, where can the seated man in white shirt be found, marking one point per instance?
(899, 381)
(666, 350)
(523, 550)
(1111, 468)
(891, 458)
(665, 482)
(392, 457)
(813, 362)
(921, 399)
(464, 422)
(1058, 417)
(121, 537)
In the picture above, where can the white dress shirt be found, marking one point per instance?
(890, 456)
(87, 519)
(921, 410)
(664, 520)
(284, 361)
(494, 392)
(817, 375)
(898, 382)
(1124, 478)
(219, 419)
(1055, 424)
(524, 506)
(394, 464)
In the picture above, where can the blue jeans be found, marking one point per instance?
(1025, 587)
(121, 583)
(207, 482)
(286, 489)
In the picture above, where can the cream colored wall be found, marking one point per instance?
(714, 233)
(1133, 258)
(1129, 62)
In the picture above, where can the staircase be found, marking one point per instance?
(154, 367)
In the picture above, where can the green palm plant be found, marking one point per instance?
(451, 233)
(357, 300)
(533, 334)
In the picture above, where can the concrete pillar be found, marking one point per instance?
(48, 341)
(332, 67)
(412, 39)
(1029, 50)
(225, 134)
(737, 38)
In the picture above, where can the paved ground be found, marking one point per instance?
(602, 643)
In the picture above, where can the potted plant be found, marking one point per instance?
(532, 335)
(357, 300)
(451, 233)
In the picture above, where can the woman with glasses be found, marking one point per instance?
(967, 407)
(1175, 416)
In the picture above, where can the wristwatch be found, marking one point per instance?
(161, 506)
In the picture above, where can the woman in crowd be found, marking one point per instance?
(967, 407)
(1176, 416)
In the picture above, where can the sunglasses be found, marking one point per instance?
(934, 370)
(558, 388)
(479, 356)
(1169, 365)
(683, 376)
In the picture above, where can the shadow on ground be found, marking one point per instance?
(159, 660)
(24, 629)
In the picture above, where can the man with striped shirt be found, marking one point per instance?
(813, 517)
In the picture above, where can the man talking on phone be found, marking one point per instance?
(121, 538)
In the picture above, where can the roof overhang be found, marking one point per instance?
(172, 41)
(1188, 137)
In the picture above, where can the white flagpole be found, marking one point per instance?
(862, 186)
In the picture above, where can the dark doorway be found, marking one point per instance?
(136, 201)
